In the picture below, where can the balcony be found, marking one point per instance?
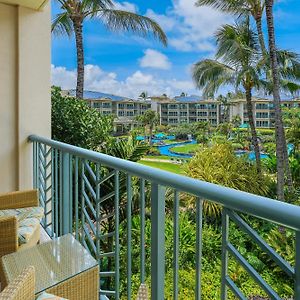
(96, 198)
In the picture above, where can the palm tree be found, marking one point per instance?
(235, 64)
(255, 8)
(75, 12)
(150, 118)
(281, 147)
(226, 102)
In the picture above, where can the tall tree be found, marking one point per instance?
(281, 147)
(236, 64)
(150, 118)
(255, 8)
(75, 12)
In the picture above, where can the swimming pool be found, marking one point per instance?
(165, 149)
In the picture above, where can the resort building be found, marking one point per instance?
(182, 109)
(263, 110)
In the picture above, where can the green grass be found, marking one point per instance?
(186, 148)
(166, 166)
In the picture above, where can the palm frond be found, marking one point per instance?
(237, 43)
(210, 75)
(230, 6)
(91, 7)
(62, 25)
(119, 20)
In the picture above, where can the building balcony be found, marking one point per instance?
(102, 200)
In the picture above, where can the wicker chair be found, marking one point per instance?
(22, 288)
(9, 224)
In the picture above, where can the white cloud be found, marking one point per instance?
(96, 79)
(126, 6)
(167, 23)
(190, 28)
(155, 59)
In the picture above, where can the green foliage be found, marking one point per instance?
(218, 164)
(182, 131)
(75, 123)
(270, 148)
(202, 139)
(292, 120)
(211, 258)
(153, 151)
(237, 146)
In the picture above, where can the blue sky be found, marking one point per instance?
(127, 64)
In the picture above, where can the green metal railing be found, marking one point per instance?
(88, 194)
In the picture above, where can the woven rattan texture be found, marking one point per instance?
(55, 262)
(143, 292)
(84, 286)
(19, 199)
(22, 288)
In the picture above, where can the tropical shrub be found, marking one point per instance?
(75, 123)
(153, 151)
(219, 164)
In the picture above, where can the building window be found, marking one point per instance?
(212, 113)
(97, 105)
(173, 121)
(121, 105)
(262, 106)
(262, 115)
(173, 113)
(130, 114)
(262, 124)
(202, 106)
(202, 113)
(121, 113)
(183, 113)
(173, 106)
(106, 105)
(130, 106)
(212, 106)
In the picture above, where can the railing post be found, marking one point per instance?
(225, 233)
(297, 267)
(199, 223)
(157, 241)
(66, 193)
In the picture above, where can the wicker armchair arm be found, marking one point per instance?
(22, 288)
(19, 199)
(8, 235)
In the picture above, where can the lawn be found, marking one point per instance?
(163, 166)
(190, 148)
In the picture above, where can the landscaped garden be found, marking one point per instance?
(215, 160)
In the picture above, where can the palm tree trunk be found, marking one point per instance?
(150, 132)
(253, 129)
(260, 34)
(281, 146)
(80, 57)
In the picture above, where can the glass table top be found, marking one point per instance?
(54, 262)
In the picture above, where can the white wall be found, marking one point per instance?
(24, 90)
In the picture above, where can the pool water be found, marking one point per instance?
(165, 149)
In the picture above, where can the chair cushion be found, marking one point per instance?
(46, 296)
(28, 221)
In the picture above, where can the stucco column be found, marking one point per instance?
(34, 83)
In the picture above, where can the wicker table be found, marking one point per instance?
(63, 267)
